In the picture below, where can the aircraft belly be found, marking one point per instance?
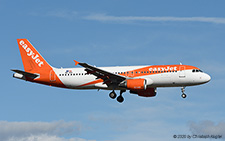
(162, 80)
(76, 82)
(172, 80)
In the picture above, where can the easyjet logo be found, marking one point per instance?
(168, 68)
(31, 54)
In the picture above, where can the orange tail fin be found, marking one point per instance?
(33, 62)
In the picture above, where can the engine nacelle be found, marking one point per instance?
(134, 84)
(149, 92)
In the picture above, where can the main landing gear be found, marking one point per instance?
(112, 95)
(183, 94)
(120, 98)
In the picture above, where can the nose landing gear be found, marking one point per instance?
(183, 94)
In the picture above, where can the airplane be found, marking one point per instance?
(140, 80)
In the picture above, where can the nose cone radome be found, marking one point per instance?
(206, 78)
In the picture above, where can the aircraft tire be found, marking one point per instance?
(112, 95)
(183, 95)
(120, 99)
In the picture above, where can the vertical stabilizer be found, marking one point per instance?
(33, 62)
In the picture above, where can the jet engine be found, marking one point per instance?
(134, 84)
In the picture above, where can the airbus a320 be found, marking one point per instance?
(140, 80)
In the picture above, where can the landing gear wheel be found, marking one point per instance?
(120, 99)
(184, 95)
(112, 95)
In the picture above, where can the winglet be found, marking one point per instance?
(76, 62)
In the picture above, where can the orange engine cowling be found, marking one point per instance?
(149, 92)
(134, 84)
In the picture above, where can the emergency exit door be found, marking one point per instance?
(182, 72)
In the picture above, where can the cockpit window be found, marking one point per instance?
(196, 70)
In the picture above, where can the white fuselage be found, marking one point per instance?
(76, 78)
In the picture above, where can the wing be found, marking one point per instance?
(108, 78)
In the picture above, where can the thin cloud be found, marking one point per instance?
(43, 137)
(71, 15)
(63, 14)
(10, 131)
(108, 18)
(208, 128)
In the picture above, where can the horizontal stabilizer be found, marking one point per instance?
(27, 74)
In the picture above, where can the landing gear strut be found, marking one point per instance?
(183, 94)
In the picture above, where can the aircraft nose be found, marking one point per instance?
(207, 78)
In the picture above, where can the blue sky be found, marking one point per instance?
(112, 33)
